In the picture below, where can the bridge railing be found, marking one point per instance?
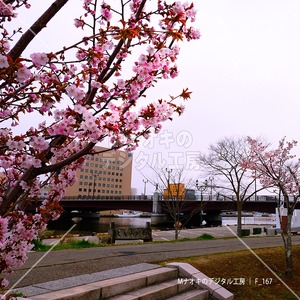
(259, 198)
(111, 198)
(205, 197)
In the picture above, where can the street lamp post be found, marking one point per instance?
(201, 189)
(168, 183)
(211, 186)
(95, 175)
(145, 184)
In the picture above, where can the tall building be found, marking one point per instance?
(103, 175)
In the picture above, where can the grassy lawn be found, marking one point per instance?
(231, 269)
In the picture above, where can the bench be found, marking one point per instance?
(130, 233)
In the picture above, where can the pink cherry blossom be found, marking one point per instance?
(23, 74)
(15, 144)
(3, 61)
(39, 59)
(38, 143)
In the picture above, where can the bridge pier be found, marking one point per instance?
(156, 205)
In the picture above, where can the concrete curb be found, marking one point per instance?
(193, 276)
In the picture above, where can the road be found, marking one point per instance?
(66, 263)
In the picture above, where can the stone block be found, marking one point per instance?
(84, 292)
(120, 285)
(185, 270)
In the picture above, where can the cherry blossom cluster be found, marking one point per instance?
(89, 91)
(17, 231)
(275, 167)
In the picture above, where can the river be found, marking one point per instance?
(102, 224)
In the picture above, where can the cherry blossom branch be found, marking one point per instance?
(37, 27)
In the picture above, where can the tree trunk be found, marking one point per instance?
(176, 233)
(239, 206)
(176, 226)
(287, 235)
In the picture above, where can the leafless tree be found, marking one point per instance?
(173, 186)
(231, 180)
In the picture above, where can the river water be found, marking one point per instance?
(102, 224)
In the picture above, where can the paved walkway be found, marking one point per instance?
(78, 265)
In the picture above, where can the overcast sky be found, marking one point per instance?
(244, 74)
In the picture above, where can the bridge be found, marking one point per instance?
(263, 204)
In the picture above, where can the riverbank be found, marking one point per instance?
(169, 235)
